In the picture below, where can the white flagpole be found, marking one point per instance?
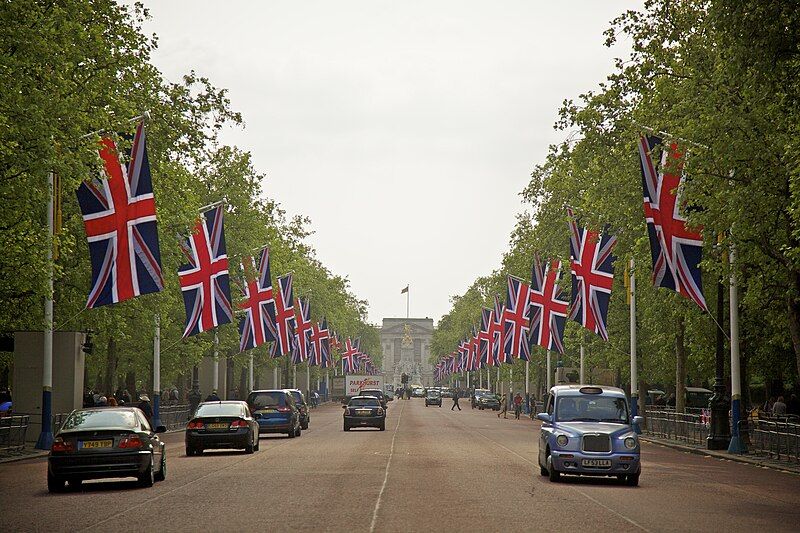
(736, 444)
(45, 440)
(634, 366)
(583, 380)
(157, 373)
(250, 372)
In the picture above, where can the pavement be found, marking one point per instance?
(432, 469)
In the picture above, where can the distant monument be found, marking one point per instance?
(406, 344)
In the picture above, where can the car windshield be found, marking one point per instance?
(219, 409)
(363, 402)
(266, 399)
(592, 409)
(81, 420)
(433, 393)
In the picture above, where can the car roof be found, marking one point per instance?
(225, 401)
(575, 390)
(269, 390)
(364, 398)
(698, 389)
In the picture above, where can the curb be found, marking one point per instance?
(33, 455)
(772, 465)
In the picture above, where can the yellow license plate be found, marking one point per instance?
(97, 444)
(221, 425)
(268, 411)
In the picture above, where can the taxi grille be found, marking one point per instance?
(596, 443)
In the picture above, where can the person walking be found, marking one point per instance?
(779, 407)
(144, 405)
(503, 408)
(455, 401)
(213, 397)
(517, 405)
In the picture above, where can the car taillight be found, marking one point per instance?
(239, 424)
(196, 424)
(131, 442)
(284, 409)
(60, 445)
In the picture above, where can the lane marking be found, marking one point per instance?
(629, 520)
(192, 482)
(386, 473)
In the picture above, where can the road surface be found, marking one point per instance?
(431, 470)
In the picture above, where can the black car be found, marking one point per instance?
(378, 393)
(275, 411)
(221, 425)
(433, 397)
(488, 401)
(302, 405)
(364, 411)
(107, 442)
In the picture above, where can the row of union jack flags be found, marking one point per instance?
(536, 314)
(120, 222)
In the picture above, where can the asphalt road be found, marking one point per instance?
(431, 470)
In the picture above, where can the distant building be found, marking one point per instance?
(406, 345)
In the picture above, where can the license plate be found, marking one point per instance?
(88, 444)
(220, 425)
(269, 411)
(596, 463)
(363, 412)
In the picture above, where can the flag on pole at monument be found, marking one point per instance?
(257, 325)
(592, 276)
(404, 290)
(516, 319)
(204, 279)
(284, 316)
(548, 310)
(675, 249)
(119, 216)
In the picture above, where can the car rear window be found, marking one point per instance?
(363, 402)
(267, 399)
(298, 397)
(219, 409)
(375, 393)
(81, 420)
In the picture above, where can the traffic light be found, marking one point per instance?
(404, 378)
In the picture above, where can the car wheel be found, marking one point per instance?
(346, 427)
(189, 451)
(292, 434)
(54, 483)
(250, 448)
(299, 431)
(257, 444)
(632, 480)
(75, 484)
(542, 471)
(162, 472)
(551, 470)
(147, 478)
(304, 426)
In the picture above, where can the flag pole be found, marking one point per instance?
(408, 304)
(157, 372)
(634, 365)
(45, 440)
(736, 444)
(215, 369)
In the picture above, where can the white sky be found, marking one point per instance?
(404, 129)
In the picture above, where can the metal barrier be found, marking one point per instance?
(685, 427)
(174, 416)
(12, 432)
(779, 439)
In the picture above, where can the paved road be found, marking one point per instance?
(432, 469)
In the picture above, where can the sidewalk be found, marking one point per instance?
(751, 459)
(25, 453)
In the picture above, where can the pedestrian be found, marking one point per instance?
(517, 405)
(767, 407)
(779, 407)
(194, 401)
(213, 397)
(455, 401)
(126, 397)
(144, 405)
(112, 402)
(503, 408)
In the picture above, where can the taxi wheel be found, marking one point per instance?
(632, 480)
(553, 473)
(543, 471)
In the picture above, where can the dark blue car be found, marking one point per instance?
(275, 411)
(587, 431)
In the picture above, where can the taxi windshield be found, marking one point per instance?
(592, 408)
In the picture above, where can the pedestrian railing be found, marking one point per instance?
(777, 439)
(12, 433)
(174, 416)
(683, 427)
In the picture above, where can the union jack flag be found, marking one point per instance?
(119, 216)
(349, 357)
(497, 333)
(319, 339)
(516, 319)
(257, 326)
(204, 279)
(284, 316)
(484, 338)
(548, 311)
(303, 346)
(592, 276)
(676, 250)
(473, 359)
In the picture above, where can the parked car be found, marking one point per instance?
(448, 393)
(220, 425)
(108, 442)
(302, 405)
(275, 411)
(433, 398)
(364, 411)
(418, 392)
(378, 393)
(487, 400)
(588, 431)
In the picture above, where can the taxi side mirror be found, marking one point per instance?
(638, 421)
(544, 417)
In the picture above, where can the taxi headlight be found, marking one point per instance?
(630, 443)
(562, 440)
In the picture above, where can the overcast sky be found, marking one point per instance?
(405, 130)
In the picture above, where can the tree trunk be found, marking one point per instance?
(130, 384)
(111, 366)
(793, 305)
(680, 367)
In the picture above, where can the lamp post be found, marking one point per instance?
(719, 433)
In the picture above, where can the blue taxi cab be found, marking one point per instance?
(587, 430)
